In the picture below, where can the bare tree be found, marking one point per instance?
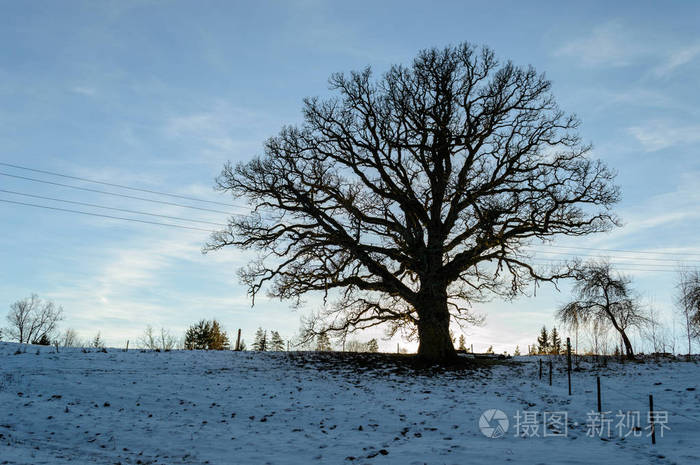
(408, 198)
(70, 338)
(163, 341)
(688, 304)
(654, 331)
(31, 318)
(604, 297)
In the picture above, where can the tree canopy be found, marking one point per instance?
(407, 198)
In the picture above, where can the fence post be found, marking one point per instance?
(550, 371)
(127, 345)
(472, 347)
(238, 340)
(651, 419)
(397, 348)
(600, 406)
(540, 368)
(568, 361)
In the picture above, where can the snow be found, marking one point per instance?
(255, 408)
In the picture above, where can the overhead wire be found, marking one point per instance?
(162, 202)
(121, 186)
(85, 204)
(106, 216)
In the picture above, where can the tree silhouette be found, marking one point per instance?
(276, 342)
(408, 198)
(604, 298)
(543, 343)
(555, 342)
(260, 343)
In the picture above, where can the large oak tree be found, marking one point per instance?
(407, 198)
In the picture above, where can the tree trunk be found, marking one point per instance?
(435, 344)
(628, 345)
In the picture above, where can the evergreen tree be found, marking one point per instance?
(555, 345)
(543, 341)
(323, 344)
(218, 339)
(517, 351)
(462, 343)
(42, 341)
(372, 346)
(97, 342)
(260, 343)
(276, 342)
(206, 335)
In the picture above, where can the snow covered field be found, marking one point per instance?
(257, 408)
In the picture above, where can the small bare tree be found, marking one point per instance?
(163, 341)
(70, 338)
(688, 304)
(31, 318)
(604, 296)
(654, 331)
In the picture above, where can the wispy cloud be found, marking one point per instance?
(84, 90)
(658, 134)
(609, 44)
(676, 59)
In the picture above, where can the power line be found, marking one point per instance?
(121, 186)
(105, 216)
(87, 189)
(625, 263)
(620, 250)
(612, 257)
(112, 208)
(208, 230)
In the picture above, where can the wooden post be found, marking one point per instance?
(127, 345)
(568, 361)
(471, 347)
(550, 371)
(651, 419)
(238, 340)
(600, 405)
(540, 368)
(397, 348)
(528, 349)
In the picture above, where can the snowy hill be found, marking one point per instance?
(252, 408)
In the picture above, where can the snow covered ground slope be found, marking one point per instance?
(258, 408)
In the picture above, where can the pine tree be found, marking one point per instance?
(517, 351)
(218, 339)
(543, 341)
(42, 341)
(97, 342)
(260, 343)
(323, 344)
(372, 346)
(462, 343)
(555, 345)
(276, 342)
(206, 335)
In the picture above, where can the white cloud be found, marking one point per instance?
(608, 44)
(658, 135)
(84, 90)
(677, 59)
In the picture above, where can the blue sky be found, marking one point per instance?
(159, 94)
